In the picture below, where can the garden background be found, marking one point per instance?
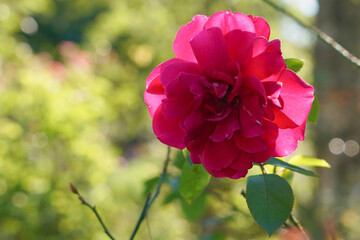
(72, 77)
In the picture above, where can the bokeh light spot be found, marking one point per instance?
(337, 146)
(39, 140)
(19, 199)
(351, 148)
(103, 47)
(23, 51)
(28, 25)
(142, 55)
(4, 12)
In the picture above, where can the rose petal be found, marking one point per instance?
(279, 63)
(154, 92)
(197, 131)
(229, 22)
(243, 161)
(168, 131)
(157, 70)
(227, 172)
(172, 71)
(262, 28)
(181, 45)
(287, 141)
(195, 158)
(297, 96)
(224, 129)
(260, 45)
(250, 145)
(262, 66)
(238, 44)
(250, 126)
(210, 49)
(217, 156)
(239, 174)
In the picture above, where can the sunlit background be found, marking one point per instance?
(72, 76)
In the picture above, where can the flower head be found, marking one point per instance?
(227, 96)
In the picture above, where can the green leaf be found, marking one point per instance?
(309, 161)
(294, 64)
(193, 181)
(314, 112)
(150, 185)
(186, 154)
(280, 163)
(196, 209)
(270, 200)
(179, 160)
(170, 197)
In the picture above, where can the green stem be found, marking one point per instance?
(320, 34)
(149, 200)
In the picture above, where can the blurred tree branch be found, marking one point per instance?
(320, 34)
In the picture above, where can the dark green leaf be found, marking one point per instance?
(196, 209)
(187, 156)
(280, 163)
(309, 161)
(313, 115)
(193, 181)
(270, 200)
(294, 64)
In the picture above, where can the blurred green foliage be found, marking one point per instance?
(72, 77)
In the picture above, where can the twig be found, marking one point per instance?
(297, 224)
(263, 169)
(74, 190)
(320, 34)
(149, 200)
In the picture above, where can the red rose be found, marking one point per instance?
(227, 96)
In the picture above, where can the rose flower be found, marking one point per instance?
(227, 96)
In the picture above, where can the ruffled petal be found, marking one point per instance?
(238, 44)
(168, 131)
(260, 45)
(227, 172)
(171, 71)
(297, 96)
(217, 156)
(181, 45)
(243, 161)
(287, 141)
(224, 129)
(229, 22)
(180, 100)
(154, 92)
(262, 28)
(250, 145)
(157, 70)
(210, 49)
(262, 66)
(250, 127)
(197, 131)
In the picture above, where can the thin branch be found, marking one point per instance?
(149, 200)
(320, 34)
(74, 190)
(263, 169)
(297, 224)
